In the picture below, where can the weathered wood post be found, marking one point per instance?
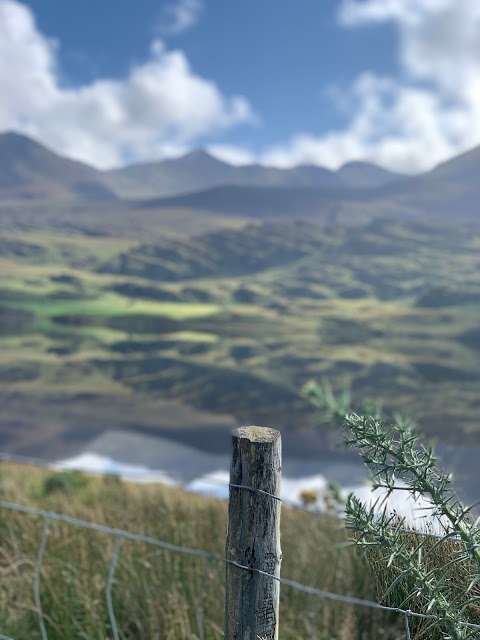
(253, 535)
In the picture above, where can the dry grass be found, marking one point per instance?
(158, 594)
(446, 564)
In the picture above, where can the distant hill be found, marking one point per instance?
(28, 170)
(198, 171)
(224, 252)
(258, 202)
(366, 174)
(450, 192)
(463, 169)
(201, 186)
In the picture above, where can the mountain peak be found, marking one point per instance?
(28, 169)
(358, 173)
(198, 156)
(197, 153)
(12, 142)
(468, 161)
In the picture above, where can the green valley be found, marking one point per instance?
(234, 322)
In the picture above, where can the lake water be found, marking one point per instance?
(142, 458)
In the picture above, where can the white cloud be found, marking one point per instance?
(428, 114)
(440, 39)
(180, 16)
(161, 106)
(354, 13)
(231, 154)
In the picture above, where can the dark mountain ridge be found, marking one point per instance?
(258, 202)
(199, 171)
(30, 175)
(28, 170)
(449, 192)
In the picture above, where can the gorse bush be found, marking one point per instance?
(427, 577)
(438, 576)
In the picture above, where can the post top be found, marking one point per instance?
(257, 434)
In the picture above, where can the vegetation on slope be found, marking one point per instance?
(157, 593)
(233, 321)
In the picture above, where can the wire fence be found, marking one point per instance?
(294, 504)
(121, 535)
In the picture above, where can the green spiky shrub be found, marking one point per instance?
(435, 576)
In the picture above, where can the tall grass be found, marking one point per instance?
(159, 594)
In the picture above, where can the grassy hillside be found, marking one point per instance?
(157, 593)
(235, 322)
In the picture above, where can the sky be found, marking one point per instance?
(278, 82)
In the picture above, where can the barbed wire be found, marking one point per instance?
(447, 536)
(407, 629)
(108, 589)
(121, 533)
(254, 490)
(36, 580)
(21, 459)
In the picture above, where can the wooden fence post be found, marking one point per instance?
(253, 535)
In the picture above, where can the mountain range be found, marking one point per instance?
(33, 176)
(198, 170)
(228, 299)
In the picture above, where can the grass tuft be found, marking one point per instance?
(157, 593)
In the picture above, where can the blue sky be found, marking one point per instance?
(279, 82)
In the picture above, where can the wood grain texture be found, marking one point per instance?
(253, 536)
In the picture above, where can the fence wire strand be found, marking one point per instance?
(447, 536)
(50, 515)
(36, 580)
(254, 490)
(56, 466)
(108, 589)
(199, 600)
(407, 629)
(121, 535)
